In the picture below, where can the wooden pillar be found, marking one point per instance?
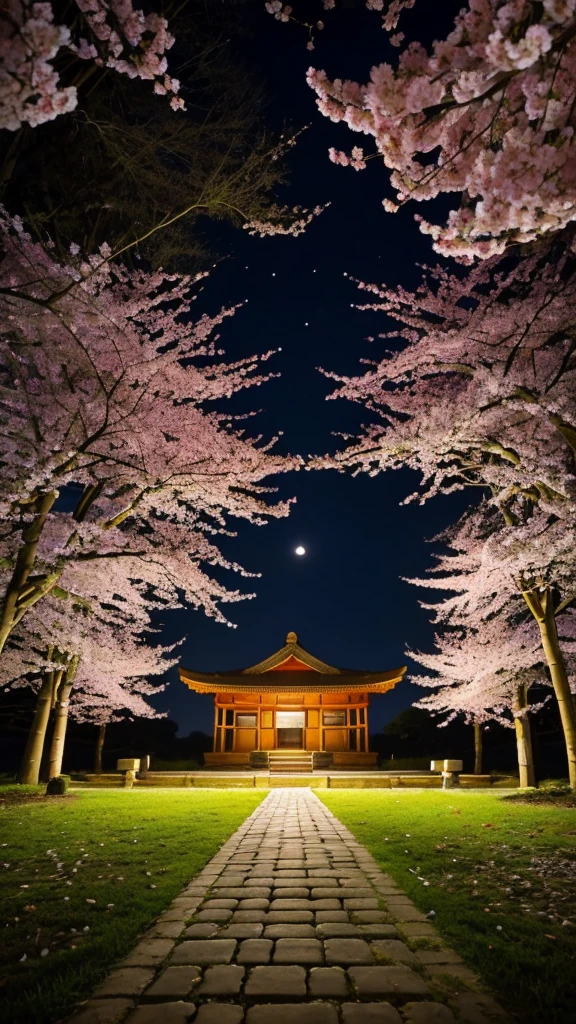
(215, 723)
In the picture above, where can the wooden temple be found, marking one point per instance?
(291, 701)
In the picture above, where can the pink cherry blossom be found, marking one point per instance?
(120, 38)
(495, 102)
(108, 380)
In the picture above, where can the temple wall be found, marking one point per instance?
(335, 722)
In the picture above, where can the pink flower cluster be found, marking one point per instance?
(280, 11)
(283, 226)
(132, 43)
(122, 38)
(355, 160)
(29, 87)
(496, 103)
(392, 10)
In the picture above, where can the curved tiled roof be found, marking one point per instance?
(270, 675)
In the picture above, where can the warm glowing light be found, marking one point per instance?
(300, 550)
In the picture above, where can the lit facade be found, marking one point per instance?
(291, 701)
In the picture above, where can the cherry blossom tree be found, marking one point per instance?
(105, 377)
(92, 708)
(488, 114)
(112, 688)
(488, 653)
(479, 387)
(479, 393)
(483, 669)
(110, 33)
(84, 652)
(106, 678)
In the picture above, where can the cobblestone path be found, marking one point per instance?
(291, 921)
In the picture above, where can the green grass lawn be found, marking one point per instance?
(83, 876)
(500, 876)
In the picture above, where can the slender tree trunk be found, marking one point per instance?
(19, 594)
(477, 749)
(61, 720)
(540, 603)
(30, 768)
(524, 738)
(99, 749)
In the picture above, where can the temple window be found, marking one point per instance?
(246, 721)
(334, 718)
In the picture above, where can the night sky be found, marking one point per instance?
(346, 598)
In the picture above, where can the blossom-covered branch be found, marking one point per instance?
(495, 103)
(104, 382)
(479, 387)
(119, 37)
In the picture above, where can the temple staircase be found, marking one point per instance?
(290, 762)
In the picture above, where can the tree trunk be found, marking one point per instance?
(20, 596)
(541, 605)
(99, 749)
(477, 749)
(61, 720)
(30, 768)
(524, 738)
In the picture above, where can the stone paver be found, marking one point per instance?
(168, 1013)
(370, 1013)
(328, 983)
(255, 951)
(222, 981)
(348, 951)
(128, 981)
(149, 953)
(314, 1013)
(103, 1011)
(219, 1013)
(392, 949)
(173, 983)
(291, 920)
(428, 1013)
(298, 951)
(387, 981)
(204, 951)
(276, 982)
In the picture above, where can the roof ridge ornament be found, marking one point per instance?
(291, 638)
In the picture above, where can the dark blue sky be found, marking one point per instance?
(345, 598)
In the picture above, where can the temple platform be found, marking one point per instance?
(249, 779)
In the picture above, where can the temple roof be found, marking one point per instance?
(292, 669)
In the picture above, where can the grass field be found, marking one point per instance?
(500, 877)
(82, 876)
